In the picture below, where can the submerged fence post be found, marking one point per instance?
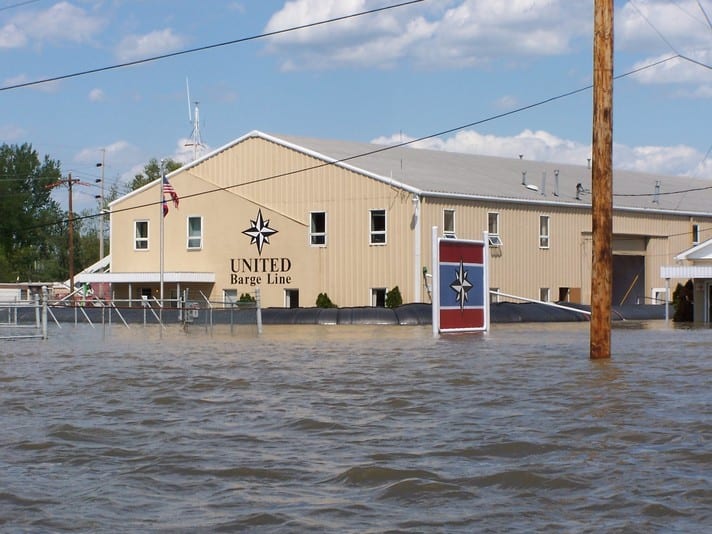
(45, 294)
(36, 298)
(258, 311)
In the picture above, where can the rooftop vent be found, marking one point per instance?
(531, 187)
(580, 191)
(556, 182)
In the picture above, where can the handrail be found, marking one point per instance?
(552, 304)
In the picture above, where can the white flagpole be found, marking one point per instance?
(160, 207)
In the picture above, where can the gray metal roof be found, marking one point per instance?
(433, 172)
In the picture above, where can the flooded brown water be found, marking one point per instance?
(356, 429)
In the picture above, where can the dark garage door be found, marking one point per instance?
(628, 280)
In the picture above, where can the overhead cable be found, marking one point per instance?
(207, 47)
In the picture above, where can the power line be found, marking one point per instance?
(647, 20)
(709, 23)
(695, 61)
(661, 193)
(208, 47)
(388, 147)
(660, 34)
(19, 4)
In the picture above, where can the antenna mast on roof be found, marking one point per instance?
(195, 140)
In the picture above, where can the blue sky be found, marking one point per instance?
(399, 74)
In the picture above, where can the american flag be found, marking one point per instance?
(168, 188)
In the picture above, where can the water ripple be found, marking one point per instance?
(356, 429)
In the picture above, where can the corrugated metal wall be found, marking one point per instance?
(348, 267)
(287, 185)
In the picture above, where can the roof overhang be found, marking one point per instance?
(686, 271)
(146, 278)
(701, 251)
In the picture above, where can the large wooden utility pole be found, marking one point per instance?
(602, 180)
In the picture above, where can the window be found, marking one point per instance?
(449, 223)
(378, 297)
(317, 228)
(695, 234)
(140, 235)
(543, 231)
(544, 294)
(494, 240)
(195, 232)
(230, 296)
(493, 223)
(493, 230)
(378, 227)
(659, 295)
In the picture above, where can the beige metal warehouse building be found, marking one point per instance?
(299, 217)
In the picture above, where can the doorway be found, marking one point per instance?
(291, 298)
(628, 279)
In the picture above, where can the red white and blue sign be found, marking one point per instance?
(462, 287)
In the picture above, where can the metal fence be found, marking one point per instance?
(29, 319)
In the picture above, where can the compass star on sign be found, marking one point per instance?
(461, 285)
(259, 232)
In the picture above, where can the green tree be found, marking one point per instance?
(152, 172)
(394, 298)
(683, 301)
(33, 240)
(323, 301)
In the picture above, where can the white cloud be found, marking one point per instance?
(671, 160)
(11, 132)
(120, 154)
(539, 145)
(238, 7)
(96, 95)
(475, 33)
(656, 26)
(46, 87)
(663, 29)
(154, 43)
(507, 102)
(12, 37)
(447, 33)
(63, 22)
(184, 150)
(677, 70)
(118, 150)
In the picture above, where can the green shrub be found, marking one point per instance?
(682, 300)
(394, 298)
(246, 297)
(323, 301)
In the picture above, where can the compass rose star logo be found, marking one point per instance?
(461, 286)
(259, 232)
